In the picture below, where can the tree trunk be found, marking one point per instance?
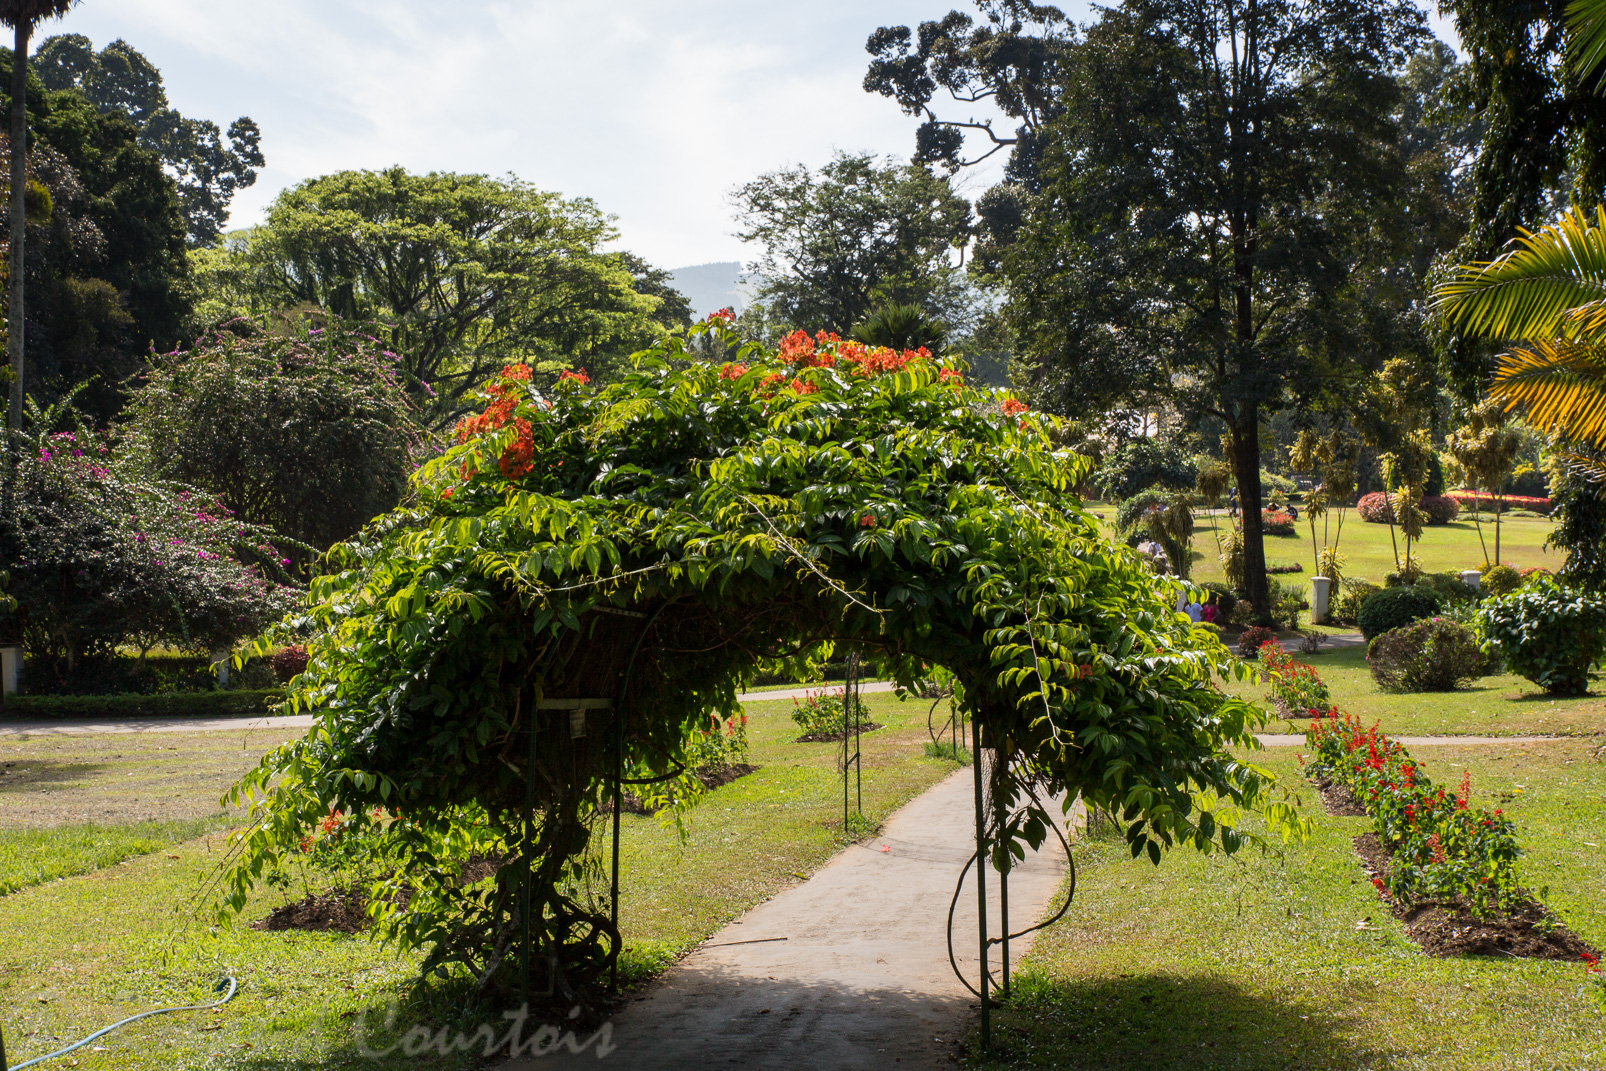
(19, 219)
(1246, 466)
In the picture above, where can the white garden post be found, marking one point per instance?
(1470, 578)
(10, 666)
(1321, 588)
(221, 665)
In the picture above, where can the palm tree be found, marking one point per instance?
(22, 16)
(902, 327)
(1548, 291)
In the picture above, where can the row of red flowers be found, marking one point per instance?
(1483, 498)
(1440, 848)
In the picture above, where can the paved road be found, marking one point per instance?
(56, 727)
(847, 970)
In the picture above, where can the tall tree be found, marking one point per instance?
(1012, 61)
(22, 16)
(470, 271)
(1204, 231)
(118, 78)
(853, 236)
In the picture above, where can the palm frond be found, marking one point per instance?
(1552, 283)
(1561, 384)
(1586, 41)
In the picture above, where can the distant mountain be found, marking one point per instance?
(711, 287)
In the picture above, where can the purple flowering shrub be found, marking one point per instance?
(100, 558)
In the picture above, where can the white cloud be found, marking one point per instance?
(655, 110)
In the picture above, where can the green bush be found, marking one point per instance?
(1501, 580)
(1392, 608)
(181, 705)
(1354, 593)
(824, 714)
(1448, 587)
(1432, 655)
(1141, 465)
(1548, 633)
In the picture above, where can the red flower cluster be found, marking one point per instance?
(1012, 406)
(579, 377)
(732, 371)
(504, 398)
(725, 315)
(950, 375)
(519, 458)
(867, 521)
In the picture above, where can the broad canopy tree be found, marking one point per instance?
(1209, 192)
(467, 271)
(853, 237)
(654, 541)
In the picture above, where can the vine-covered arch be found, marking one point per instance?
(646, 547)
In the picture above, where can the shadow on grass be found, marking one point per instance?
(1157, 1022)
(50, 773)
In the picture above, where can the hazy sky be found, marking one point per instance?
(653, 109)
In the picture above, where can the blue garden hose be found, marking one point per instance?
(227, 980)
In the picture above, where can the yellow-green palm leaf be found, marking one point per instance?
(1551, 284)
(1586, 39)
(1561, 384)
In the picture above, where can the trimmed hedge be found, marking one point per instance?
(1376, 508)
(180, 705)
(1440, 509)
(1483, 500)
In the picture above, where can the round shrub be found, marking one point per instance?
(1548, 633)
(1501, 580)
(1251, 639)
(1394, 608)
(1440, 510)
(1130, 524)
(1432, 655)
(1376, 508)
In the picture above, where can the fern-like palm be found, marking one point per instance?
(1586, 40)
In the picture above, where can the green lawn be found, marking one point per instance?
(1495, 706)
(88, 950)
(1370, 555)
(1290, 961)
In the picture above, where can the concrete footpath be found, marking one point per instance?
(847, 970)
(64, 727)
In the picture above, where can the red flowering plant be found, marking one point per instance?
(1440, 847)
(1296, 688)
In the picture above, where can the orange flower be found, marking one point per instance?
(725, 315)
(804, 388)
(867, 521)
(950, 375)
(766, 386)
(519, 458)
(579, 377)
(796, 345)
(732, 371)
(1012, 406)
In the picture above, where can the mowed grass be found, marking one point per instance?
(1503, 705)
(1369, 554)
(33, 856)
(85, 951)
(1289, 961)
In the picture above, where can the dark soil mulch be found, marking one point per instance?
(339, 910)
(1339, 800)
(1450, 929)
(836, 738)
(712, 777)
(343, 910)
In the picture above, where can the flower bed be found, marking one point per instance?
(1439, 847)
(1483, 500)
(1297, 689)
(1276, 522)
(1433, 851)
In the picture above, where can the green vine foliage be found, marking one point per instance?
(658, 539)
